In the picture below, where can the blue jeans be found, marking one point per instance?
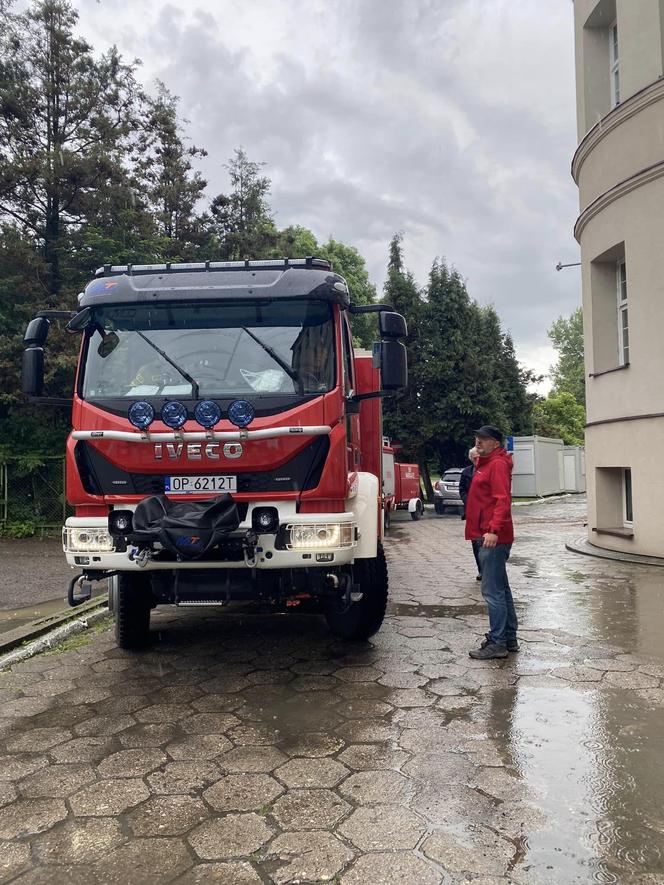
(496, 591)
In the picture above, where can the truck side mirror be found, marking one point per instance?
(393, 365)
(36, 332)
(392, 325)
(33, 370)
(80, 321)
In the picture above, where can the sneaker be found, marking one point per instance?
(487, 651)
(512, 644)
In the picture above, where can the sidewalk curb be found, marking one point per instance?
(585, 548)
(31, 639)
(546, 499)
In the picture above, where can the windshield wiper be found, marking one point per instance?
(185, 375)
(289, 370)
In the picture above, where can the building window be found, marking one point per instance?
(608, 344)
(615, 65)
(623, 317)
(613, 499)
(628, 510)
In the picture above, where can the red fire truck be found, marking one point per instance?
(401, 487)
(226, 443)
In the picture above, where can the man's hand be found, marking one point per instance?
(489, 540)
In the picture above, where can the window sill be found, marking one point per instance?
(619, 532)
(608, 371)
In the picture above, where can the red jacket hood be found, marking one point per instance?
(499, 453)
(488, 508)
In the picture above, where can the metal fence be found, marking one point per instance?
(33, 494)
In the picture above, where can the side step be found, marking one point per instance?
(188, 603)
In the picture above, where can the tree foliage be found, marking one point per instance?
(163, 179)
(568, 374)
(240, 221)
(404, 416)
(561, 417)
(65, 118)
(463, 371)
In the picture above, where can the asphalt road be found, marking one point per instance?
(33, 571)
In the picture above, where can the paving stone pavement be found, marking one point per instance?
(258, 749)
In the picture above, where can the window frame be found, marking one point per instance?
(627, 498)
(614, 63)
(622, 306)
(348, 365)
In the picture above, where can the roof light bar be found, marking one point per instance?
(183, 267)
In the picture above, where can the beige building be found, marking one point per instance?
(619, 168)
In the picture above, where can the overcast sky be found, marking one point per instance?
(450, 120)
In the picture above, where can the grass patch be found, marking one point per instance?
(85, 637)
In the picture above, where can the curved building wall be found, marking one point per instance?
(619, 168)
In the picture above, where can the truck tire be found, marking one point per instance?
(112, 593)
(418, 512)
(365, 617)
(132, 610)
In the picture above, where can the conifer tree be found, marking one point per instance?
(240, 222)
(164, 179)
(404, 418)
(65, 117)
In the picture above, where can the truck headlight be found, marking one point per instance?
(87, 540)
(320, 535)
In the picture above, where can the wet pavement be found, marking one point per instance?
(247, 748)
(35, 576)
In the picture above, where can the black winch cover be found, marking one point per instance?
(189, 529)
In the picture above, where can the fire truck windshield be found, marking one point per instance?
(227, 348)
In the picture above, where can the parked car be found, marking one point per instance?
(446, 490)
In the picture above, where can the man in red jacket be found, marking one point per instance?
(489, 522)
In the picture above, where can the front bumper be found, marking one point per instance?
(448, 499)
(88, 545)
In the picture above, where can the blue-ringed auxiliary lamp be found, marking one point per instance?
(207, 413)
(141, 415)
(173, 414)
(241, 413)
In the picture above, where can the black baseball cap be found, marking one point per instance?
(489, 431)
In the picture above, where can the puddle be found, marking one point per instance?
(520, 561)
(12, 618)
(404, 609)
(576, 577)
(592, 763)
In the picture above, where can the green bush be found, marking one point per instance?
(26, 529)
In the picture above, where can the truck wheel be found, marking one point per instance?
(418, 512)
(132, 610)
(364, 617)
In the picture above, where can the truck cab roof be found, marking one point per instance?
(281, 278)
